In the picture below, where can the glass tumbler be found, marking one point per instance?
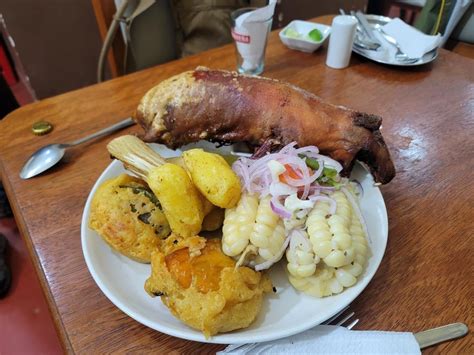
(250, 41)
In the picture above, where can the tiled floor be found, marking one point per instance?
(26, 326)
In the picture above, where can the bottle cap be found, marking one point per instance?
(41, 127)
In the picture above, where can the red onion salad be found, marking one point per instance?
(295, 178)
(258, 178)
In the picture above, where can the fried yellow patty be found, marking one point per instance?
(203, 288)
(128, 216)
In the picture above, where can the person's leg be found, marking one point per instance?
(5, 273)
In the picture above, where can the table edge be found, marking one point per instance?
(58, 324)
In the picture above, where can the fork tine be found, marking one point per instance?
(352, 324)
(346, 318)
(330, 320)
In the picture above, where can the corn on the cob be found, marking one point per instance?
(329, 234)
(301, 258)
(268, 232)
(339, 240)
(238, 225)
(253, 230)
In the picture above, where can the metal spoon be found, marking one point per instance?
(400, 55)
(370, 40)
(359, 41)
(50, 155)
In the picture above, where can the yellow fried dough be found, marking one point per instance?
(203, 288)
(128, 216)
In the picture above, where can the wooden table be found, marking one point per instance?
(425, 279)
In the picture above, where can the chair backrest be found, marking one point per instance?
(104, 11)
(149, 39)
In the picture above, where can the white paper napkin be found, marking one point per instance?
(250, 25)
(412, 42)
(329, 339)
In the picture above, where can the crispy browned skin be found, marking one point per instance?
(223, 106)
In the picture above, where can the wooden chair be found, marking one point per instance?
(461, 48)
(104, 11)
(152, 35)
(409, 9)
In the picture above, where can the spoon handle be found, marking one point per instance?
(125, 123)
(437, 335)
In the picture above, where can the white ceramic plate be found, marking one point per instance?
(283, 314)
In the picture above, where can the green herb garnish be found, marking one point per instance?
(328, 176)
(145, 191)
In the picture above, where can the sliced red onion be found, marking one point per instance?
(267, 179)
(332, 202)
(328, 162)
(280, 189)
(298, 204)
(266, 264)
(316, 189)
(276, 169)
(241, 169)
(299, 165)
(318, 172)
(357, 210)
(278, 208)
(301, 169)
(258, 164)
(289, 148)
(309, 149)
(257, 177)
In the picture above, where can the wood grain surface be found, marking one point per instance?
(425, 279)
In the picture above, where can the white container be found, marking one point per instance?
(340, 43)
(304, 27)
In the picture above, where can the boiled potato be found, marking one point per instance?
(178, 161)
(213, 176)
(207, 206)
(214, 219)
(181, 201)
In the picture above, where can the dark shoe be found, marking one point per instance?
(5, 273)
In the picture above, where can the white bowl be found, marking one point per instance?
(304, 27)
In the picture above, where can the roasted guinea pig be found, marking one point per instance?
(128, 216)
(227, 107)
(203, 288)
